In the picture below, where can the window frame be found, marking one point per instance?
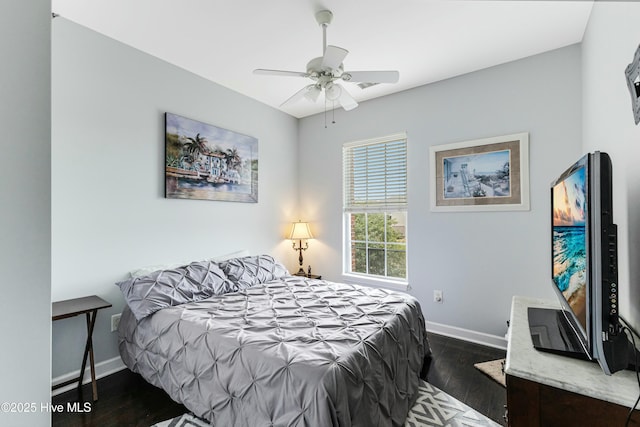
(380, 207)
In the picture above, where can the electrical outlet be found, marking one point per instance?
(115, 321)
(437, 296)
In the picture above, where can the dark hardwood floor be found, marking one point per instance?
(452, 371)
(125, 399)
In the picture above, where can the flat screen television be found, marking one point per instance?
(584, 269)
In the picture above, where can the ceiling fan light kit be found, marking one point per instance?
(327, 69)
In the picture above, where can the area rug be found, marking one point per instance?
(433, 408)
(186, 420)
(494, 369)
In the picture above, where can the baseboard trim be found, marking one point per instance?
(103, 369)
(467, 335)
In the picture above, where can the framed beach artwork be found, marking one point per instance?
(206, 162)
(490, 174)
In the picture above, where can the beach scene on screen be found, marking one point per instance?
(569, 241)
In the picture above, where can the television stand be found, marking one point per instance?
(545, 389)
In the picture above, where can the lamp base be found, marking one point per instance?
(300, 248)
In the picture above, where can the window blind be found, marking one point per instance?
(375, 174)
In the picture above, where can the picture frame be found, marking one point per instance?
(490, 174)
(632, 73)
(206, 162)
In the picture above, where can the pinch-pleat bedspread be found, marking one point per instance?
(290, 352)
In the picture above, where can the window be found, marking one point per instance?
(375, 207)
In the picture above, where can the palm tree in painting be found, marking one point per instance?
(234, 160)
(196, 146)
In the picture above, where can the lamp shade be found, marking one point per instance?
(333, 92)
(300, 231)
(313, 93)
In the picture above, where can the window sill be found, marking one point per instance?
(396, 285)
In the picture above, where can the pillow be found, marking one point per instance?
(238, 254)
(165, 288)
(248, 271)
(143, 271)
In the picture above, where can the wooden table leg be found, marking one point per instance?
(88, 351)
(94, 385)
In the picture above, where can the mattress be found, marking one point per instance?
(288, 352)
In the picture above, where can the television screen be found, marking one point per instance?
(570, 242)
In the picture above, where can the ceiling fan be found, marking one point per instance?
(326, 72)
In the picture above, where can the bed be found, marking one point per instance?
(243, 343)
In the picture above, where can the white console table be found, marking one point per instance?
(545, 389)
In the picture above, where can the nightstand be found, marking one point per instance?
(309, 276)
(75, 307)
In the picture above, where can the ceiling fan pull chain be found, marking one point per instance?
(333, 112)
(325, 113)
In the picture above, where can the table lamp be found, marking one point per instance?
(300, 231)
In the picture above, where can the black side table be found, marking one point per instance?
(75, 307)
(309, 276)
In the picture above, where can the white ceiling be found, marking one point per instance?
(425, 40)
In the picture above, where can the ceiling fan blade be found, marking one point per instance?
(298, 95)
(345, 99)
(333, 57)
(371, 76)
(280, 73)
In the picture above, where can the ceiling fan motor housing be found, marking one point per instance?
(316, 71)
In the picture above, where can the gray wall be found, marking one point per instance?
(479, 260)
(25, 251)
(610, 42)
(109, 214)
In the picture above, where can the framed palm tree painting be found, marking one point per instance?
(206, 162)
